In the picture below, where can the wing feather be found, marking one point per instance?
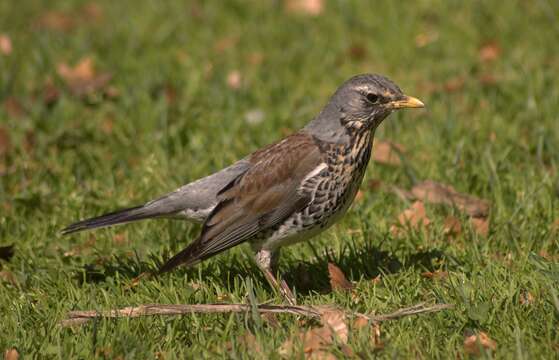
(258, 199)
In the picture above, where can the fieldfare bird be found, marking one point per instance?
(284, 193)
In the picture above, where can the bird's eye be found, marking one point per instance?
(373, 98)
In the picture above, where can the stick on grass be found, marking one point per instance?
(81, 317)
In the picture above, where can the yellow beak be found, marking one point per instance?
(406, 102)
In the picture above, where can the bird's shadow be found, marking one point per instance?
(356, 261)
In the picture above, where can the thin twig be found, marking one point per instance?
(81, 317)
(412, 310)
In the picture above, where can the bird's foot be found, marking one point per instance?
(281, 287)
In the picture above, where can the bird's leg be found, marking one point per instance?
(267, 262)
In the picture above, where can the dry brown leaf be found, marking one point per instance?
(120, 239)
(472, 343)
(336, 320)
(5, 141)
(305, 7)
(338, 281)
(454, 84)
(359, 196)
(424, 39)
(438, 193)
(91, 12)
(6, 252)
(386, 152)
(489, 52)
(249, 341)
(480, 225)
(226, 43)
(526, 298)
(435, 275)
(11, 354)
(414, 217)
(5, 45)
(488, 79)
(316, 340)
(374, 184)
(9, 277)
(360, 322)
(357, 52)
(13, 107)
(50, 93)
(57, 20)
(452, 226)
(234, 80)
(82, 78)
(255, 58)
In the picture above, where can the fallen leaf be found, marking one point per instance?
(107, 126)
(359, 195)
(435, 275)
(489, 52)
(120, 239)
(526, 298)
(386, 152)
(305, 7)
(374, 184)
(57, 20)
(226, 43)
(11, 354)
(9, 277)
(375, 337)
(316, 340)
(82, 78)
(424, 39)
(5, 45)
(29, 141)
(50, 93)
(234, 80)
(480, 225)
(357, 52)
(255, 58)
(452, 226)
(336, 320)
(91, 12)
(454, 84)
(5, 141)
(13, 107)
(249, 341)
(360, 322)
(414, 217)
(437, 193)
(338, 281)
(6, 252)
(488, 79)
(473, 343)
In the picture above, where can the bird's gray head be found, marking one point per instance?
(360, 104)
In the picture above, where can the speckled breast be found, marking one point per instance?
(332, 190)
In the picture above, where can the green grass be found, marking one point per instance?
(498, 141)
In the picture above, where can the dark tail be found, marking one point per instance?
(117, 217)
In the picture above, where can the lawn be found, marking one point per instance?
(108, 104)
